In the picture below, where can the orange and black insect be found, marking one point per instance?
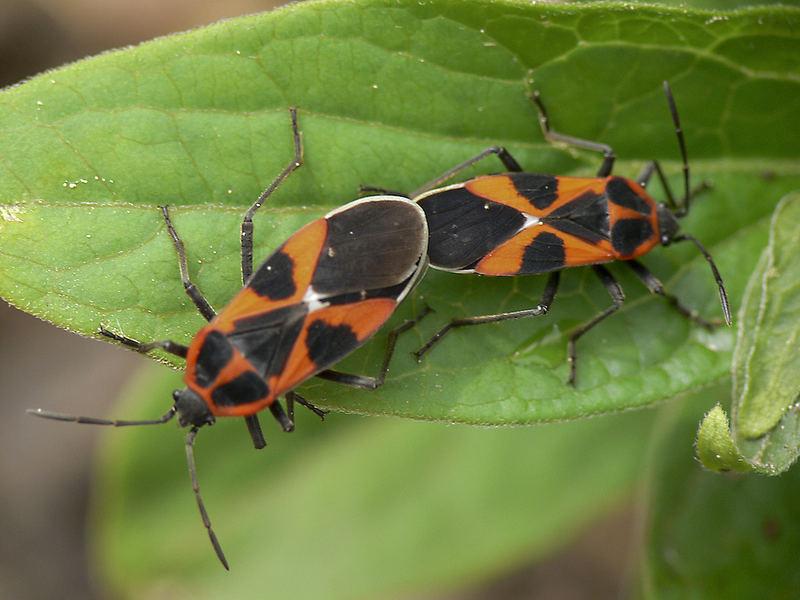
(317, 298)
(520, 223)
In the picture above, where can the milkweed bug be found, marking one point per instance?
(317, 298)
(520, 223)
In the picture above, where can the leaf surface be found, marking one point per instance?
(391, 94)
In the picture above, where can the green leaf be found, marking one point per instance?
(349, 508)
(392, 93)
(775, 451)
(715, 536)
(715, 446)
(766, 368)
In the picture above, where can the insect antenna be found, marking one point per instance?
(166, 417)
(723, 295)
(190, 437)
(54, 416)
(687, 192)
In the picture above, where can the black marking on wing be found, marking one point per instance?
(540, 190)
(464, 227)
(327, 344)
(274, 278)
(544, 254)
(215, 353)
(620, 192)
(246, 388)
(266, 340)
(628, 234)
(585, 217)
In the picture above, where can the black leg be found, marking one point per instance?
(292, 397)
(617, 295)
(549, 294)
(281, 417)
(655, 167)
(504, 155)
(373, 383)
(254, 429)
(553, 136)
(166, 345)
(247, 222)
(656, 287)
(191, 289)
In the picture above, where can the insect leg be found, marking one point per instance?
(371, 189)
(504, 155)
(654, 166)
(281, 417)
(191, 289)
(292, 397)
(247, 221)
(553, 136)
(617, 295)
(254, 429)
(541, 309)
(166, 345)
(656, 287)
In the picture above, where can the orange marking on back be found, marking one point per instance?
(580, 252)
(303, 248)
(570, 188)
(500, 188)
(506, 259)
(364, 318)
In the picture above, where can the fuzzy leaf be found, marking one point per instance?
(766, 368)
(715, 446)
(715, 536)
(392, 93)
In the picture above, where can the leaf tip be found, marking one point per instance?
(715, 446)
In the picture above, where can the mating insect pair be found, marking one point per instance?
(335, 282)
(317, 298)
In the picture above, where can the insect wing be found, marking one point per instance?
(372, 244)
(518, 224)
(373, 256)
(330, 334)
(464, 227)
(542, 249)
(317, 298)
